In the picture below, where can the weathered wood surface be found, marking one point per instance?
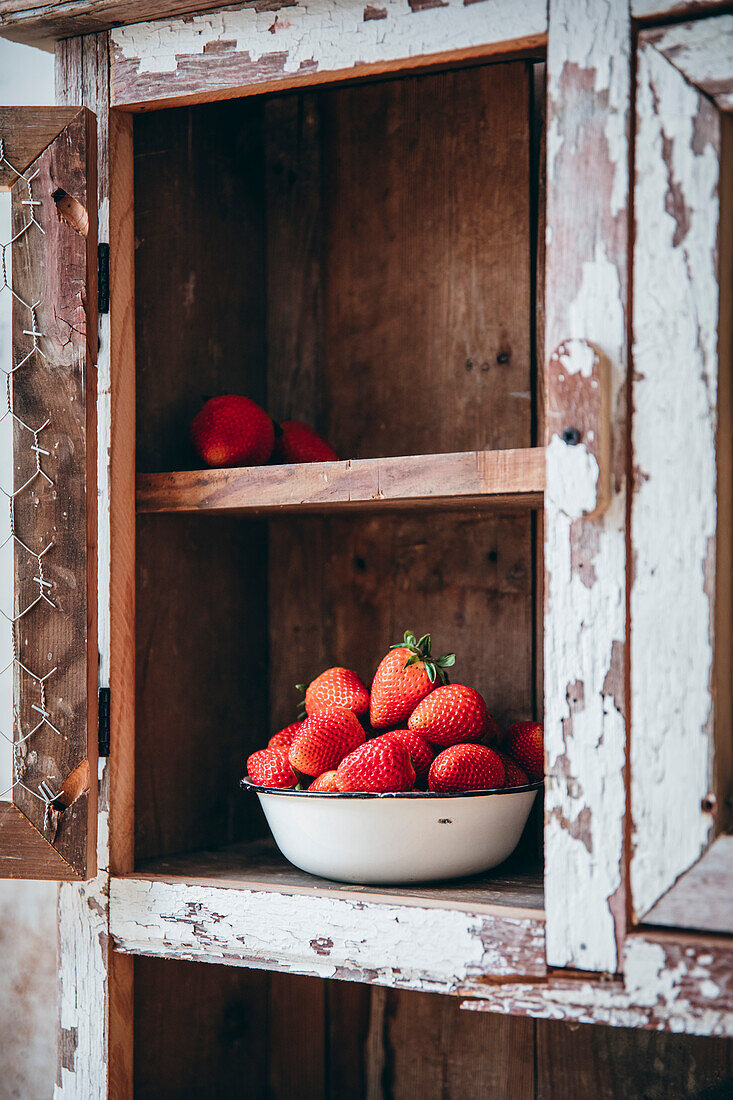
(659, 9)
(703, 52)
(27, 133)
(466, 478)
(702, 899)
(431, 948)
(670, 983)
(53, 392)
(673, 514)
(259, 865)
(589, 91)
(236, 51)
(25, 852)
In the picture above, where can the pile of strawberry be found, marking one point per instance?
(235, 431)
(413, 731)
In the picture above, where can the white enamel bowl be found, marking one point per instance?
(396, 838)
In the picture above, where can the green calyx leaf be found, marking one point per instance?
(301, 688)
(447, 661)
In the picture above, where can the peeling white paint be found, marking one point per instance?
(674, 509)
(703, 53)
(429, 948)
(585, 621)
(327, 34)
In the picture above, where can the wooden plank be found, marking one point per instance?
(420, 1045)
(703, 52)
(250, 49)
(473, 477)
(431, 948)
(54, 395)
(671, 982)
(702, 898)
(607, 1063)
(589, 94)
(39, 23)
(25, 852)
(259, 865)
(673, 514)
(200, 1031)
(429, 324)
(26, 134)
(298, 1053)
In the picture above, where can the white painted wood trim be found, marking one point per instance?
(166, 59)
(673, 516)
(431, 948)
(589, 89)
(667, 986)
(703, 53)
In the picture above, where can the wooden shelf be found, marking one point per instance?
(246, 906)
(467, 478)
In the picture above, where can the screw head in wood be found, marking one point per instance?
(571, 436)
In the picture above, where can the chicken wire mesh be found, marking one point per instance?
(28, 338)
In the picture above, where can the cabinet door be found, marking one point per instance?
(680, 603)
(48, 684)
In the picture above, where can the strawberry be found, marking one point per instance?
(232, 431)
(466, 768)
(324, 740)
(337, 687)
(420, 752)
(296, 442)
(450, 715)
(382, 764)
(270, 768)
(325, 783)
(492, 734)
(284, 738)
(514, 776)
(405, 676)
(525, 741)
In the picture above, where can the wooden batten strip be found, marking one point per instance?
(466, 478)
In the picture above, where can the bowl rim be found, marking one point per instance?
(247, 785)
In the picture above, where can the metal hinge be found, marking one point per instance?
(103, 277)
(104, 722)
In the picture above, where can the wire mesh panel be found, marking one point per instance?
(48, 270)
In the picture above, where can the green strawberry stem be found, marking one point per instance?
(420, 651)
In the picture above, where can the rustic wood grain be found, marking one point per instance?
(480, 478)
(353, 937)
(59, 268)
(25, 852)
(241, 51)
(27, 133)
(589, 95)
(674, 507)
(662, 9)
(434, 323)
(701, 898)
(200, 1031)
(703, 52)
(258, 864)
(296, 1035)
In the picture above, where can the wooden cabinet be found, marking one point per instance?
(485, 249)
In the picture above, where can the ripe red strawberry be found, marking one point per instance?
(297, 442)
(284, 738)
(492, 734)
(450, 715)
(382, 764)
(405, 676)
(420, 752)
(514, 776)
(324, 740)
(337, 687)
(325, 783)
(525, 741)
(466, 768)
(232, 431)
(271, 768)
